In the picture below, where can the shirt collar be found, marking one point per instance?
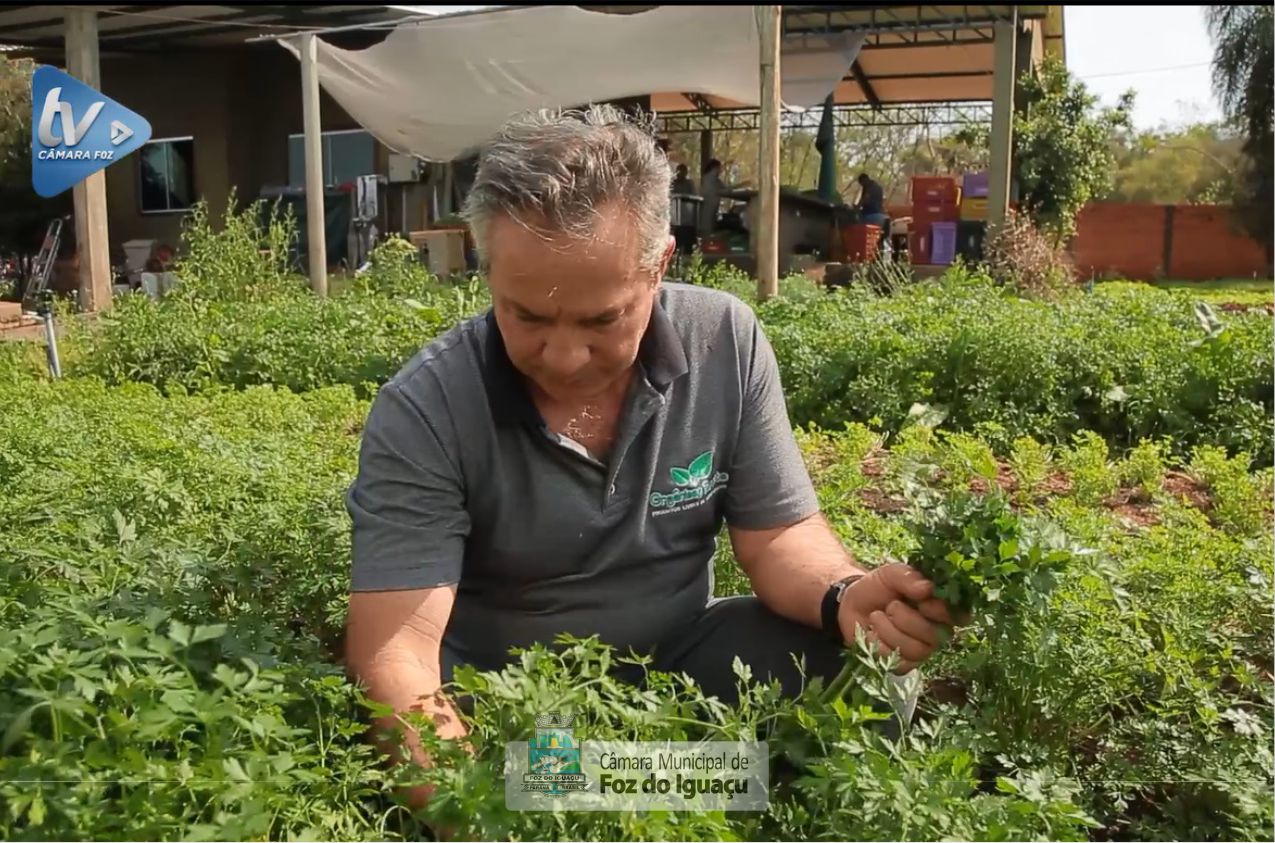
(661, 355)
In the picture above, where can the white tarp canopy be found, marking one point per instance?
(440, 88)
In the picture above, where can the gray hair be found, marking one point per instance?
(552, 170)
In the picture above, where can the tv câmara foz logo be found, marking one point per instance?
(692, 486)
(553, 757)
(76, 131)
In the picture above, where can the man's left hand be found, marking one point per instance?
(895, 606)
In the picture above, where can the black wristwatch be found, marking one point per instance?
(832, 602)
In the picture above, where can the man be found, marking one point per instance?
(871, 207)
(871, 200)
(682, 183)
(686, 222)
(564, 462)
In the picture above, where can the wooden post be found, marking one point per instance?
(769, 31)
(1001, 142)
(314, 187)
(92, 237)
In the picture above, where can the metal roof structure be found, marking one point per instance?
(157, 27)
(912, 55)
(917, 56)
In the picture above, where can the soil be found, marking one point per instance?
(1132, 505)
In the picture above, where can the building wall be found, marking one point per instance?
(1145, 242)
(239, 106)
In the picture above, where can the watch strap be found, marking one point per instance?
(829, 608)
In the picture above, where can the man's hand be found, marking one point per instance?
(896, 608)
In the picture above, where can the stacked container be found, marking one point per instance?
(935, 200)
(974, 191)
(973, 225)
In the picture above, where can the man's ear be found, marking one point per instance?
(670, 246)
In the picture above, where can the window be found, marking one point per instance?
(347, 155)
(167, 175)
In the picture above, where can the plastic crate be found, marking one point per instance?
(942, 243)
(934, 189)
(859, 242)
(976, 185)
(919, 244)
(974, 208)
(926, 213)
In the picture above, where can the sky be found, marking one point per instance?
(1162, 52)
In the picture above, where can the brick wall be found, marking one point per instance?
(1145, 242)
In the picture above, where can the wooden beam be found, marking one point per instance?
(869, 93)
(768, 221)
(92, 237)
(1002, 137)
(314, 187)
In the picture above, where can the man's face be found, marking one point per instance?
(572, 313)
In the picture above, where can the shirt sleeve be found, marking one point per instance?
(407, 503)
(769, 485)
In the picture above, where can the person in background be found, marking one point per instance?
(682, 183)
(711, 188)
(871, 202)
(686, 224)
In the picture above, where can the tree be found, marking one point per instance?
(1064, 146)
(23, 214)
(1244, 80)
(15, 117)
(1195, 164)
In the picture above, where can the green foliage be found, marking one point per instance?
(174, 594)
(1062, 146)
(24, 215)
(1195, 164)
(964, 457)
(1144, 466)
(243, 257)
(1244, 79)
(1030, 462)
(985, 560)
(1088, 464)
(15, 117)
(1241, 502)
(1125, 362)
(396, 270)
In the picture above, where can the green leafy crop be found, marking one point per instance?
(983, 557)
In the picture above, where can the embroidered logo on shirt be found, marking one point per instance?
(693, 485)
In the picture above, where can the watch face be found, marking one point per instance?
(844, 585)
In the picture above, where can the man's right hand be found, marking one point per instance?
(897, 610)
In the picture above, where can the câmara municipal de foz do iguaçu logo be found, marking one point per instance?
(693, 485)
(553, 757)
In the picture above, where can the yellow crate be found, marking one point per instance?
(974, 208)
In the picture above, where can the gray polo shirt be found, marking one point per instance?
(460, 482)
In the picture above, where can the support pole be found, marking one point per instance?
(1002, 138)
(314, 215)
(768, 167)
(92, 237)
(705, 149)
